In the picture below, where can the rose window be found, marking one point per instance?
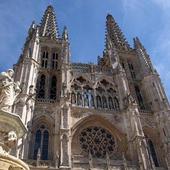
(97, 141)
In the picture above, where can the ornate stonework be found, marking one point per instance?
(110, 115)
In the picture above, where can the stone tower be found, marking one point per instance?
(110, 115)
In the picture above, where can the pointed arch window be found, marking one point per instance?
(116, 104)
(54, 60)
(86, 99)
(44, 61)
(37, 143)
(73, 98)
(41, 143)
(139, 97)
(41, 88)
(53, 89)
(79, 99)
(99, 102)
(104, 102)
(110, 103)
(91, 100)
(44, 154)
(132, 71)
(153, 152)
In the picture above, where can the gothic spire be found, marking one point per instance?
(48, 27)
(143, 56)
(113, 31)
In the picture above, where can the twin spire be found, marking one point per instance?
(49, 28)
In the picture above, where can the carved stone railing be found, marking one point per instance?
(87, 68)
(79, 161)
(96, 108)
(45, 100)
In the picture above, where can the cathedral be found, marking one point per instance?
(112, 115)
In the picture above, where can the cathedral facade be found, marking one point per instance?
(111, 115)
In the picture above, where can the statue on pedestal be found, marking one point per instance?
(9, 90)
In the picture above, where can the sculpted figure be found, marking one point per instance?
(9, 90)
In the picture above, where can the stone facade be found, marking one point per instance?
(110, 115)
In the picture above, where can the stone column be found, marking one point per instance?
(64, 151)
(138, 138)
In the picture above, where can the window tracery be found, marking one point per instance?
(104, 102)
(110, 103)
(41, 87)
(152, 152)
(41, 143)
(44, 59)
(54, 61)
(99, 102)
(101, 96)
(79, 99)
(97, 141)
(116, 103)
(53, 89)
(139, 97)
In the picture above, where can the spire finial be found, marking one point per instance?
(113, 31)
(48, 27)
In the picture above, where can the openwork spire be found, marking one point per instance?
(113, 31)
(48, 27)
(144, 57)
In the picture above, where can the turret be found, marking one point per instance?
(145, 62)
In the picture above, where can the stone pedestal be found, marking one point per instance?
(11, 129)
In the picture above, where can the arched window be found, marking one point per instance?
(44, 61)
(153, 153)
(41, 87)
(99, 102)
(86, 99)
(132, 71)
(73, 98)
(91, 100)
(41, 143)
(53, 89)
(110, 103)
(139, 97)
(104, 101)
(79, 99)
(44, 154)
(116, 104)
(37, 144)
(54, 61)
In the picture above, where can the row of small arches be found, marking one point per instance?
(88, 100)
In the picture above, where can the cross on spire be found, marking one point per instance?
(48, 27)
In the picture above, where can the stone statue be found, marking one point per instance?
(129, 100)
(9, 90)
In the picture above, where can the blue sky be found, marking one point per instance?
(85, 19)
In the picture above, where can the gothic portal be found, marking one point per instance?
(111, 115)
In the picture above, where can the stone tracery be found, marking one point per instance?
(101, 95)
(97, 141)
